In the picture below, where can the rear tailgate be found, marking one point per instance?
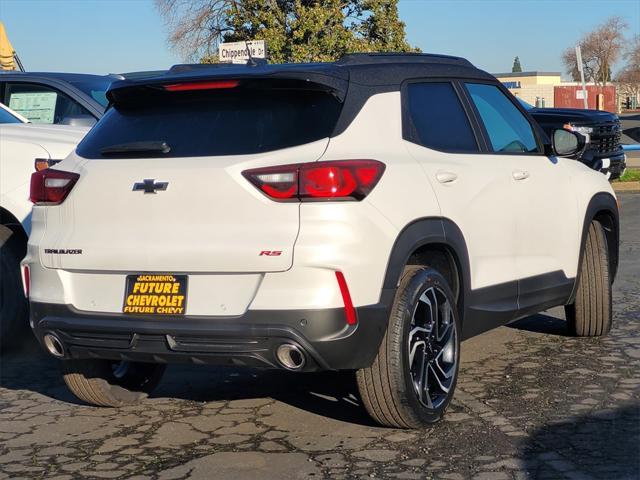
(208, 219)
(161, 190)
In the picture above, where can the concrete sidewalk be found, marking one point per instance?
(633, 159)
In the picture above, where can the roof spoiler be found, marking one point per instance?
(126, 91)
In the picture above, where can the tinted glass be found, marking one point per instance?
(525, 105)
(216, 123)
(439, 119)
(6, 117)
(96, 88)
(508, 129)
(42, 104)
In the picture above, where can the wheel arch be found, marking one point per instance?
(602, 208)
(435, 241)
(9, 220)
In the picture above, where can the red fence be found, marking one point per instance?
(571, 97)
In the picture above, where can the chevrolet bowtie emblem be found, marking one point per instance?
(149, 185)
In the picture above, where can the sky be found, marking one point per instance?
(115, 36)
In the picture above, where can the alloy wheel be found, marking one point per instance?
(432, 348)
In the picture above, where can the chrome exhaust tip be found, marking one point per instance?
(54, 345)
(290, 356)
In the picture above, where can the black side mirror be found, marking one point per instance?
(565, 143)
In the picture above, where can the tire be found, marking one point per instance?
(591, 314)
(13, 304)
(106, 383)
(390, 387)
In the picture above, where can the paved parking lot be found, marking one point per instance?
(531, 403)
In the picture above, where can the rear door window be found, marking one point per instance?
(438, 118)
(212, 123)
(508, 129)
(42, 104)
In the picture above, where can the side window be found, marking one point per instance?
(508, 129)
(42, 104)
(439, 118)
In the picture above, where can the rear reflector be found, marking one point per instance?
(215, 85)
(349, 311)
(332, 180)
(26, 280)
(51, 187)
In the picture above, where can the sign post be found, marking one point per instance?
(581, 70)
(242, 52)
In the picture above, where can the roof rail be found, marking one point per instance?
(400, 57)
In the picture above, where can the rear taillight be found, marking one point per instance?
(42, 163)
(332, 180)
(51, 187)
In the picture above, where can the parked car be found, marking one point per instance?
(602, 130)
(367, 214)
(56, 98)
(22, 147)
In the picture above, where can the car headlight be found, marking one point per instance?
(581, 130)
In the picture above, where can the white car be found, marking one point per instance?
(364, 215)
(22, 146)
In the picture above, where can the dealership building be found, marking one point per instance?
(546, 89)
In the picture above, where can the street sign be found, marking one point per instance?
(242, 52)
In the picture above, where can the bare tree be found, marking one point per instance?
(601, 49)
(628, 79)
(196, 27)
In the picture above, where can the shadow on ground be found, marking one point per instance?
(542, 323)
(329, 394)
(602, 445)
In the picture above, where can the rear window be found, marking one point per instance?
(224, 122)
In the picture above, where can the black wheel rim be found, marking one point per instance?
(432, 348)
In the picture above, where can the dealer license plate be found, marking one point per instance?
(155, 294)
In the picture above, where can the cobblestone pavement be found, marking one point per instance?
(531, 403)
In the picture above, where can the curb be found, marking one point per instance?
(626, 187)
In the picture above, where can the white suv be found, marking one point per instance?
(367, 215)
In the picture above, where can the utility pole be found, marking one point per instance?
(581, 70)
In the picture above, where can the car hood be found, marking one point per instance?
(574, 114)
(58, 140)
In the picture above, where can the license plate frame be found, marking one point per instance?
(154, 294)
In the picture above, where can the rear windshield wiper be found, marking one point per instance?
(137, 147)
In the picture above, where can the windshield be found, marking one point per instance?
(95, 87)
(527, 106)
(6, 117)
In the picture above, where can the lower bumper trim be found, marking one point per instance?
(249, 340)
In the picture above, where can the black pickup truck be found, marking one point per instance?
(602, 130)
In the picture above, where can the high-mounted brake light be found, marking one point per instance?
(209, 85)
(331, 180)
(51, 187)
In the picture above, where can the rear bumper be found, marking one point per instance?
(248, 340)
